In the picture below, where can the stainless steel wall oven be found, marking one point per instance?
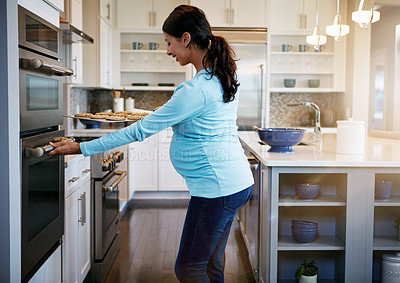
(42, 202)
(41, 76)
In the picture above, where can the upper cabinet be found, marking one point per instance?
(299, 15)
(137, 14)
(234, 13)
(106, 11)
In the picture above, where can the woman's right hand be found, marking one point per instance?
(65, 148)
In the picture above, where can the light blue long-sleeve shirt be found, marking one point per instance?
(205, 148)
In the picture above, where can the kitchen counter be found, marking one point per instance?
(355, 228)
(378, 153)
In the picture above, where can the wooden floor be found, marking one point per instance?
(150, 233)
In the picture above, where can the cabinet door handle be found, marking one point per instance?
(227, 16)
(305, 21)
(74, 179)
(86, 171)
(232, 16)
(154, 19)
(75, 60)
(108, 11)
(82, 199)
(150, 13)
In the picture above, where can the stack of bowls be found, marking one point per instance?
(304, 231)
(307, 191)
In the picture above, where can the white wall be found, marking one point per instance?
(356, 100)
(10, 197)
(383, 41)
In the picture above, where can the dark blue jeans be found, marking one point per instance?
(204, 237)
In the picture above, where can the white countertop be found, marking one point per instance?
(378, 153)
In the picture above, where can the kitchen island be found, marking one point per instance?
(355, 229)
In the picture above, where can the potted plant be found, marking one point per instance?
(307, 272)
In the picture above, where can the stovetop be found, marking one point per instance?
(103, 163)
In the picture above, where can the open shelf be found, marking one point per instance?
(302, 53)
(321, 200)
(387, 243)
(321, 243)
(301, 90)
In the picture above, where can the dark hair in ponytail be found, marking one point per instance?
(220, 56)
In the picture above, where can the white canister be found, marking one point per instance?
(129, 104)
(350, 137)
(118, 104)
(390, 268)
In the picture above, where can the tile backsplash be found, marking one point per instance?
(283, 116)
(97, 100)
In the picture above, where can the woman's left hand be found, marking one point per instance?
(65, 148)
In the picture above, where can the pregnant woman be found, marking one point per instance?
(205, 148)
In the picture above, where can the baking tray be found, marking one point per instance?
(100, 120)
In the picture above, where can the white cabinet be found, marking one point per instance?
(106, 11)
(153, 168)
(146, 69)
(97, 57)
(299, 15)
(168, 178)
(146, 165)
(50, 271)
(77, 63)
(74, 52)
(77, 220)
(57, 4)
(105, 55)
(151, 14)
(72, 13)
(234, 13)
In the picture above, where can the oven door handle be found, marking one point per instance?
(41, 65)
(116, 182)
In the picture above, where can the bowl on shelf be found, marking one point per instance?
(303, 224)
(313, 83)
(307, 191)
(304, 235)
(280, 139)
(90, 124)
(289, 82)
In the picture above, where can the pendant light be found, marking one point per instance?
(337, 29)
(316, 39)
(365, 17)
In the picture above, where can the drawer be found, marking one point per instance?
(84, 167)
(71, 178)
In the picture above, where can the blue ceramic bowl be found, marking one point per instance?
(302, 224)
(307, 191)
(280, 139)
(90, 124)
(304, 235)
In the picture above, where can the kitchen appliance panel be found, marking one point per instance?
(42, 203)
(41, 100)
(37, 34)
(251, 63)
(250, 48)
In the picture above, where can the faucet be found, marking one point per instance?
(317, 128)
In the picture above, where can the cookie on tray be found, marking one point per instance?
(98, 116)
(124, 112)
(115, 118)
(83, 115)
